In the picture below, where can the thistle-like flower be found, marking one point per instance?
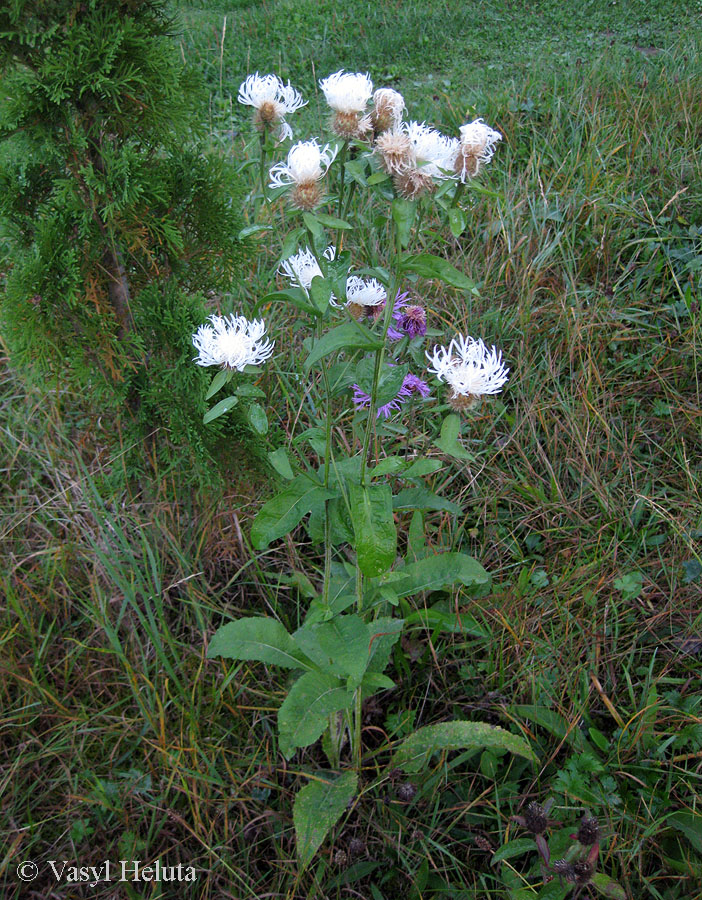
(411, 384)
(388, 107)
(364, 297)
(409, 320)
(306, 164)
(394, 149)
(347, 94)
(232, 342)
(475, 148)
(302, 267)
(433, 151)
(470, 369)
(272, 101)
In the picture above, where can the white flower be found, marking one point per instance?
(347, 92)
(302, 267)
(388, 106)
(261, 91)
(433, 151)
(232, 342)
(307, 162)
(476, 147)
(364, 293)
(468, 367)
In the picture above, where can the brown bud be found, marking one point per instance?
(406, 791)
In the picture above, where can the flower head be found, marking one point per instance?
(433, 151)
(364, 297)
(408, 320)
(469, 368)
(302, 267)
(232, 342)
(411, 384)
(272, 101)
(394, 149)
(306, 164)
(347, 94)
(475, 148)
(388, 107)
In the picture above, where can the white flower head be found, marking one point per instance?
(395, 150)
(364, 293)
(433, 152)
(302, 267)
(232, 342)
(469, 368)
(475, 148)
(272, 101)
(347, 92)
(307, 162)
(388, 107)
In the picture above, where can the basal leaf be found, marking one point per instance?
(260, 638)
(415, 751)
(305, 711)
(317, 808)
(423, 498)
(436, 571)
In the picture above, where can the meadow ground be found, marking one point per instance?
(582, 498)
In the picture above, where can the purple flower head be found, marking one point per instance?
(408, 320)
(411, 384)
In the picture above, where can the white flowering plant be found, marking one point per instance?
(356, 470)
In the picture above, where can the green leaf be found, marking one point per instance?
(283, 512)
(391, 465)
(296, 296)
(252, 230)
(378, 178)
(305, 711)
(356, 169)
(429, 266)
(373, 527)
(436, 571)
(423, 498)
(517, 847)
(224, 376)
(365, 369)
(280, 462)
(376, 681)
(331, 221)
(257, 418)
(258, 638)
(436, 619)
(457, 221)
(219, 409)
(404, 212)
(315, 227)
(317, 809)
(340, 647)
(608, 887)
(422, 467)
(390, 382)
(690, 824)
(320, 291)
(415, 751)
(343, 337)
(448, 442)
(385, 634)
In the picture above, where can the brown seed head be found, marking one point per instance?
(395, 149)
(406, 791)
(589, 831)
(535, 818)
(412, 184)
(583, 871)
(306, 195)
(266, 115)
(356, 846)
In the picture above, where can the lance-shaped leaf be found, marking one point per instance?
(219, 409)
(349, 335)
(415, 751)
(429, 266)
(385, 633)
(317, 809)
(305, 711)
(224, 376)
(423, 498)
(404, 212)
(296, 296)
(436, 571)
(448, 441)
(260, 638)
(284, 511)
(374, 528)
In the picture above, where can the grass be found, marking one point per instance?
(582, 495)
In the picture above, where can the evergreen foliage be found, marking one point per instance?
(117, 218)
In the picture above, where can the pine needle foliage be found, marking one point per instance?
(118, 220)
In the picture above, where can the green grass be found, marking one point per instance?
(582, 498)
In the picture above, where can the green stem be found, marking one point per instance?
(379, 354)
(262, 167)
(358, 705)
(460, 187)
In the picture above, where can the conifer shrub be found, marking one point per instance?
(117, 221)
